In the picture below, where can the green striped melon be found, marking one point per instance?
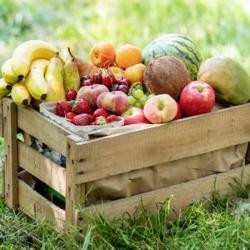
(178, 46)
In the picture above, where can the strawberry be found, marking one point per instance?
(82, 106)
(112, 118)
(62, 108)
(81, 120)
(91, 118)
(70, 115)
(71, 95)
(100, 120)
(100, 112)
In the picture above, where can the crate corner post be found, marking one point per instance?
(75, 193)
(10, 153)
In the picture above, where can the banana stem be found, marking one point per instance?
(25, 102)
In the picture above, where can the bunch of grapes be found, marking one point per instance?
(138, 95)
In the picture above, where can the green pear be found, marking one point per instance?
(71, 75)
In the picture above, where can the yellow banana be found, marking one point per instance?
(20, 95)
(35, 81)
(54, 79)
(5, 88)
(7, 72)
(29, 51)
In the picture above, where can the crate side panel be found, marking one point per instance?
(42, 168)
(152, 146)
(43, 129)
(37, 207)
(182, 194)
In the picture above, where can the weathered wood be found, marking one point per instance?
(182, 195)
(42, 167)
(122, 153)
(10, 152)
(75, 194)
(28, 139)
(39, 208)
(2, 161)
(43, 129)
(1, 117)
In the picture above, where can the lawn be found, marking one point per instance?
(218, 27)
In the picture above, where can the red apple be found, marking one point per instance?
(179, 112)
(197, 98)
(134, 115)
(115, 101)
(160, 108)
(90, 93)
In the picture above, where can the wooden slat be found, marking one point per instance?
(39, 208)
(37, 125)
(117, 154)
(182, 195)
(75, 194)
(10, 152)
(41, 167)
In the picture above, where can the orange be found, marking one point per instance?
(135, 73)
(102, 55)
(128, 55)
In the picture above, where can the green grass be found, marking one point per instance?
(219, 28)
(209, 224)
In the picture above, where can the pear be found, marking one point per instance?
(54, 79)
(85, 68)
(71, 74)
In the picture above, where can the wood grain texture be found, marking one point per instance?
(39, 208)
(123, 153)
(182, 194)
(10, 153)
(1, 117)
(75, 193)
(43, 129)
(42, 167)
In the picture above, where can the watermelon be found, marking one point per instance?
(229, 79)
(178, 46)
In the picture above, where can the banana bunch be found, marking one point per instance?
(35, 70)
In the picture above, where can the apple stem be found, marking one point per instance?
(57, 54)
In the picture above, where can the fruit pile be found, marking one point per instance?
(164, 82)
(80, 113)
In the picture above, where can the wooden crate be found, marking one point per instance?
(95, 160)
